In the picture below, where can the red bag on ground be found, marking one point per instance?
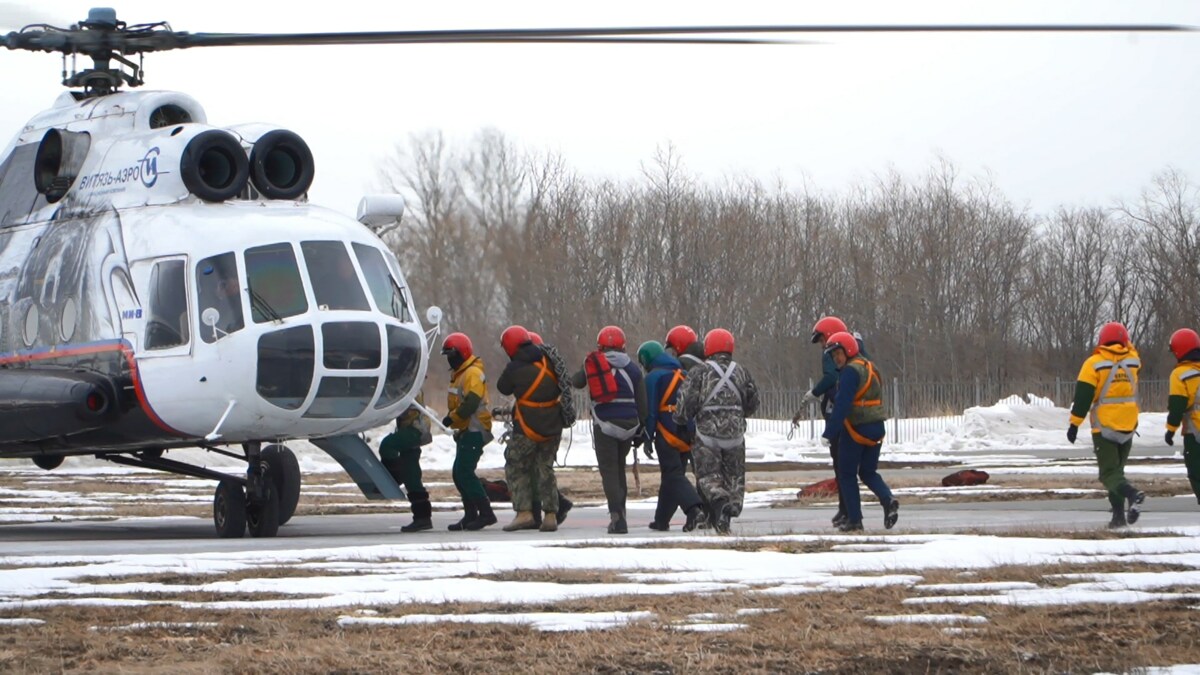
(825, 488)
(497, 490)
(602, 381)
(965, 477)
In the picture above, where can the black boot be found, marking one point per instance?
(1118, 519)
(850, 527)
(1135, 497)
(694, 517)
(891, 513)
(564, 505)
(422, 513)
(723, 517)
(486, 516)
(617, 524)
(659, 527)
(470, 513)
(838, 518)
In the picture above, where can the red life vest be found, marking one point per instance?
(602, 381)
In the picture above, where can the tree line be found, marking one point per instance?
(946, 278)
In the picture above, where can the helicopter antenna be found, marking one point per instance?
(106, 40)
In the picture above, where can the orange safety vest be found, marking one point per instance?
(861, 401)
(524, 400)
(671, 439)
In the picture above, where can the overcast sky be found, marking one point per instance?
(1056, 119)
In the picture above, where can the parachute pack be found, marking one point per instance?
(602, 381)
(566, 397)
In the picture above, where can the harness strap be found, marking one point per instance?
(859, 438)
(1125, 366)
(725, 381)
(671, 439)
(862, 391)
(543, 370)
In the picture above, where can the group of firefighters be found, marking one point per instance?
(689, 401)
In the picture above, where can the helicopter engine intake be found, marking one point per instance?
(281, 165)
(214, 166)
(59, 158)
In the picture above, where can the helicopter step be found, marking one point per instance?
(258, 503)
(360, 462)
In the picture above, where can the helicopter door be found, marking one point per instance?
(166, 319)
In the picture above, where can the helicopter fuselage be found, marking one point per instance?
(135, 315)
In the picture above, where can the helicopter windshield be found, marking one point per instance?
(218, 290)
(387, 293)
(335, 282)
(276, 290)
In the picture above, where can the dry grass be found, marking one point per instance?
(824, 632)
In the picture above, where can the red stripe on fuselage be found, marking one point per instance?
(98, 348)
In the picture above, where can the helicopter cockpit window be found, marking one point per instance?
(273, 280)
(388, 296)
(167, 323)
(334, 280)
(219, 297)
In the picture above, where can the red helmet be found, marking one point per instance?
(512, 338)
(680, 338)
(458, 342)
(611, 337)
(1184, 341)
(826, 326)
(1113, 332)
(843, 341)
(718, 341)
(535, 338)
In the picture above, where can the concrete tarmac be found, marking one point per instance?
(195, 535)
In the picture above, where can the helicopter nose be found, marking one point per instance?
(344, 360)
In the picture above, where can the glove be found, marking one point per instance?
(1072, 432)
(825, 441)
(1170, 438)
(808, 398)
(447, 421)
(648, 449)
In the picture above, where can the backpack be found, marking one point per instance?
(602, 381)
(566, 397)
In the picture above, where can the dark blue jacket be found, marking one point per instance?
(835, 425)
(662, 371)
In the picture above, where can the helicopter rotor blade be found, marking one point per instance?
(157, 38)
(642, 32)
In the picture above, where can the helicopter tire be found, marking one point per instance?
(284, 471)
(262, 519)
(229, 510)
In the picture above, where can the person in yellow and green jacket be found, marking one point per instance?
(1106, 391)
(400, 452)
(470, 418)
(1183, 402)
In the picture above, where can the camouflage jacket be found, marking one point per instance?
(719, 412)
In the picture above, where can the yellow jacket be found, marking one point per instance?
(1185, 380)
(1111, 372)
(469, 379)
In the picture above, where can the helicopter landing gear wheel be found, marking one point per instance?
(229, 510)
(262, 518)
(284, 472)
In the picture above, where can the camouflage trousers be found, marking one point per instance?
(529, 471)
(721, 474)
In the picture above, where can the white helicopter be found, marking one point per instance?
(164, 283)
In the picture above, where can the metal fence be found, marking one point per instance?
(920, 408)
